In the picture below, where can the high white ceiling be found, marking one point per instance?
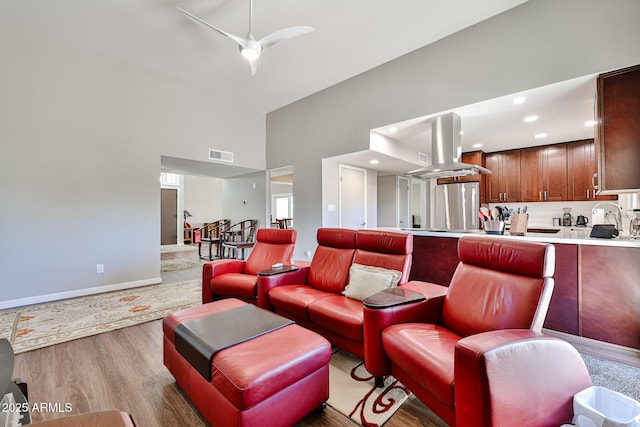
(351, 36)
(562, 110)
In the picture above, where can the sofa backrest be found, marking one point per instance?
(385, 249)
(329, 267)
(272, 246)
(499, 284)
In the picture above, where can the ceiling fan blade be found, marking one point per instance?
(254, 66)
(284, 34)
(240, 40)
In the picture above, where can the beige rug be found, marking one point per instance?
(165, 249)
(32, 327)
(167, 265)
(353, 393)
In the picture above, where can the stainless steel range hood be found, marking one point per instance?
(446, 151)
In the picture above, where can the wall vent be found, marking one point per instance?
(423, 158)
(222, 156)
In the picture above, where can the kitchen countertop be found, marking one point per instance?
(566, 235)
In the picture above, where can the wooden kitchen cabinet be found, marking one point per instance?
(610, 294)
(503, 184)
(543, 173)
(618, 131)
(582, 171)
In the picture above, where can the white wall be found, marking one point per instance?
(81, 139)
(245, 197)
(203, 199)
(535, 44)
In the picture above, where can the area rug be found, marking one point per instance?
(354, 394)
(165, 249)
(32, 327)
(167, 265)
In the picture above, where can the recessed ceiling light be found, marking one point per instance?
(590, 123)
(393, 129)
(461, 132)
(519, 99)
(374, 162)
(477, 145)
(540, 135)
(530, 119)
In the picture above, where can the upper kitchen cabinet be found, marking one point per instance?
(582, 171)
(503, 184)
(618, 133)
(544, 173)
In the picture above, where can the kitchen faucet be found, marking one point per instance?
(618, 214)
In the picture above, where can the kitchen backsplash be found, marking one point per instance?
(541, 214)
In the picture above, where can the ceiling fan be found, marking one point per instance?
(250, 48)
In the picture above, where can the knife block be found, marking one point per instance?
(518, 224)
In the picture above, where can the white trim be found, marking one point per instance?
(77, 293)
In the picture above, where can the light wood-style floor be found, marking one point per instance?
(123, 370)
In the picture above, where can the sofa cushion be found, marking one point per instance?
(385, 249)
(246, 377)
(329, 269)
(481, 300)
(424, 351)
(234, 284)
(272, 246)
(338, 314)
(365, 281)
(294, 299)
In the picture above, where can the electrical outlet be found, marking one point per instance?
(99, 268)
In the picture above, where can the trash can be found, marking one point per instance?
(600, 407)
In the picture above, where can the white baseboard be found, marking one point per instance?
(39, 299)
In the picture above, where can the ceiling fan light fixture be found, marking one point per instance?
(249, 53)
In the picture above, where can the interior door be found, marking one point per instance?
(419, 204)
(168, 216)
(353, 197)
(404, 217)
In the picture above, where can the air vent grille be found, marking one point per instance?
(423, 158)
(219, 155)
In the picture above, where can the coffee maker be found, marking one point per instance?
(566, 217)
(634, 226)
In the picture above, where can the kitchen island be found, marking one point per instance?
(596, 298)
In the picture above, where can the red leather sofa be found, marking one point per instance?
(473, 352)
(235, 278)
(312, 296)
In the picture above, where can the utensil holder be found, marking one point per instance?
(518, 224)
(494, 226)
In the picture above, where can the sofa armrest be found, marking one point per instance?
(216, 268)
(516, 377)
(377, 319)
(266, 283)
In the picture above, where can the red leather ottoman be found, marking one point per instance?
(275, 379)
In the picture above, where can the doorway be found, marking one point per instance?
(353, 197)
(281, 192)
(168, 216)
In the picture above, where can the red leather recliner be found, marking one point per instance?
(237, 278)
(312, 296)
(456, 337)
